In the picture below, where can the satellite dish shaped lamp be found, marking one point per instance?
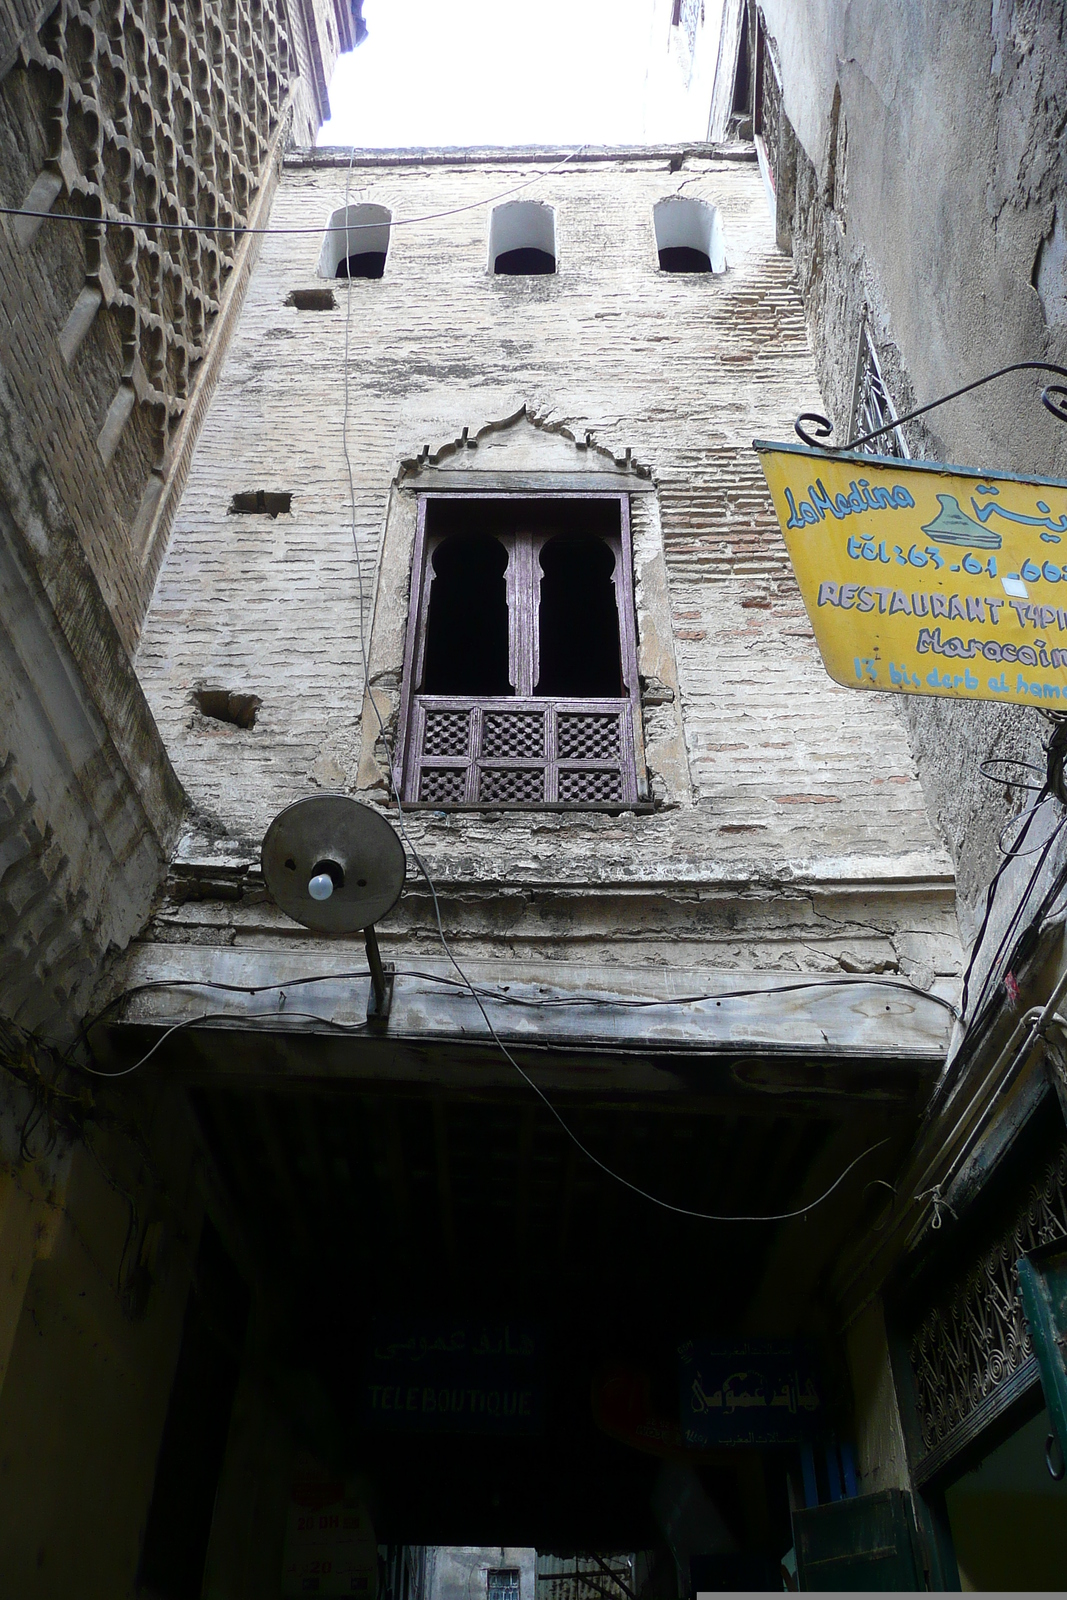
(337, 866)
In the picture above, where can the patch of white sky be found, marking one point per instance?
(502, 72)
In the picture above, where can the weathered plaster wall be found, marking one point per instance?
(109, 345)
(97, 1246)
(928, 184)
(779, 782)
(459, 1571)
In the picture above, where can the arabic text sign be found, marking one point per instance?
(455, 1377)
(759, 1391)
(923, 579)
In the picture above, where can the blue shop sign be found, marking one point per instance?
(455, 1377)
(751, 1392)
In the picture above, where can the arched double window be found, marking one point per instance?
(521, 678)
(356, 242)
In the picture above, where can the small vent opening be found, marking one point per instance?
(223, 705)
(313, 299)
(356, 242)
(688, 236)
(262, 502)
(522, 239)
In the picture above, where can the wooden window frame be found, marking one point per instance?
(584, 749)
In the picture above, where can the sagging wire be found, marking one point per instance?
(65, 1111)
(1051, 786)
(939, 1205)
(1014, 920)
(220, 1016)
(235, 228)
(656, 1200)
(501, 996)
(1043, 790)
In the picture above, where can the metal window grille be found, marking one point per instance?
(502, 1583)
(519, 750)
(871, 405)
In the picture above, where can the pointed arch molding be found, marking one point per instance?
(525, 445)
(518, 452)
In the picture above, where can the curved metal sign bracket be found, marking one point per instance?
(1053, 398)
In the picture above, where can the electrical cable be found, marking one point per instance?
(348, 228)
(988, 909)
(656, 1200)
(1017, 915)
(504, 998)
(1015, 854)
(240, 1022)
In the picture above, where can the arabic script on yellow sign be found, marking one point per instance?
(926, 579)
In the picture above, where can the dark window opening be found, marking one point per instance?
(312, 299)
(467, 623)
(367, 264)
(525, 262)
(742, 101)
(502, 1583)
(579, 620)
(198, 1421)
(223, 705)
(260, 502)
(683, 258)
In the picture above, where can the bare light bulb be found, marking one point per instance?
(321, 886)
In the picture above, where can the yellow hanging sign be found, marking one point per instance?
(925, 579)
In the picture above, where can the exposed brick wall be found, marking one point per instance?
(789, 774)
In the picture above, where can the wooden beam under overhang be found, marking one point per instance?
(593, 1033)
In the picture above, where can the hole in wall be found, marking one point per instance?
(356, 242)
(261, 501)
(522, 238)
(688, 235)
(525, 263)
(312, 299)
(365, 264)
(683, 258)
(223, 705)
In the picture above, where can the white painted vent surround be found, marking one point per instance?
(522, 237)
(371, 238)
(689, 229)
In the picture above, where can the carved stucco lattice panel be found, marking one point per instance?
(163, 112)
(975, 1336)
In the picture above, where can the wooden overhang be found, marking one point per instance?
(791, 1041)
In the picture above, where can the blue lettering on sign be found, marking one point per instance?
(860, 498)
